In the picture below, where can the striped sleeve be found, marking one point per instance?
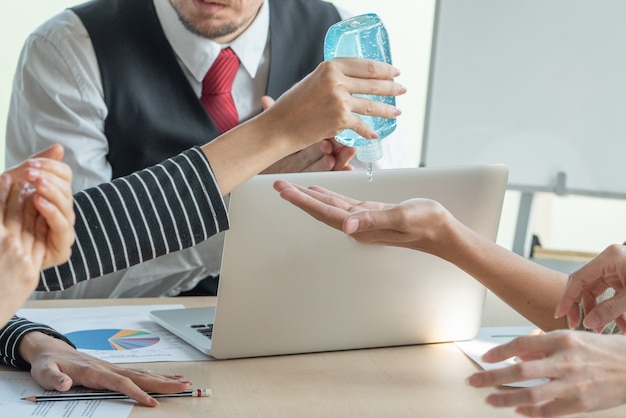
(156, 211)
(11, 336)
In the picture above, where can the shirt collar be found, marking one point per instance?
(198, 53)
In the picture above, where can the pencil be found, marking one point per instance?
(195, 393)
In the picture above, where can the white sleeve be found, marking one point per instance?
(57, 98)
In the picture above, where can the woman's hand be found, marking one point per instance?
(586, 372)
(607, 270)
(56, 365)
(52, 199)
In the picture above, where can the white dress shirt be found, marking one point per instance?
(58, 98)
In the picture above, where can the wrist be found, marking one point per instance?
(31, 345)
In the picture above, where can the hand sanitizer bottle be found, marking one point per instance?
(363, 36)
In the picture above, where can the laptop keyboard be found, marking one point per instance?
(204, 329)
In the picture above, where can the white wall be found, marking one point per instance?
(566, 223)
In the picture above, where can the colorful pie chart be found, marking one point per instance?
(112, 339)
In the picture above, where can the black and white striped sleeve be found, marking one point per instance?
(156, 211)
(11, 336)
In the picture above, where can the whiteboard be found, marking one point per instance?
(538, 85)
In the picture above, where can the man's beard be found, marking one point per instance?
(211, 32)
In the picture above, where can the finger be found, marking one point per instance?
(317, 157)
(58, 194)
(557, 407)
(29, 221)
(599, 269)
(6, 181)
(328, 214)
(57, 220)
(367, 107)
(331, 198)
(51, 169)
(364, 68)
(136, 383)
(532, 397)
(54, 152)
(326, 162)
(382, 219)
(520, 346)
(14, 211)
(267, 102)
(38, 251)
(326, 196)
(155, 382)
(519, 372)
(343, 156)
(573, 317)
(573, 290)
(119, 383)
(605, 312)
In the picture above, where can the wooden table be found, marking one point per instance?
(411, 381)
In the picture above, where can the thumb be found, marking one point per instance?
(351, 225)
(267, 102)
(52, 378)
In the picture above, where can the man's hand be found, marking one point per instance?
(326, 155)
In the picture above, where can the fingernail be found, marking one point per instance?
(352, 225)
(33, 172)
(397, 111)
(592, 321)
(59, 386)
(493, 400)
(475, 380)
(43, 201)
(153, 401)
(34, 163)
(23, 191)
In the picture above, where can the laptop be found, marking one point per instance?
(290, 284)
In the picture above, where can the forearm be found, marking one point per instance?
(245, 151)
(157, 211)
(530, 289)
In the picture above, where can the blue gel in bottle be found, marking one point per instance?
(363, 36)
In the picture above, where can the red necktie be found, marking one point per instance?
(216, 90)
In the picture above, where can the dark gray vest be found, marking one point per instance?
(153, 111)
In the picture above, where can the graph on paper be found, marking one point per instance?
(112, 339)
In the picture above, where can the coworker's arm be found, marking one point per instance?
(156, 211)
(55, 364)
(425, 225)
(318, 107)
(35, 228)
(11, 336)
